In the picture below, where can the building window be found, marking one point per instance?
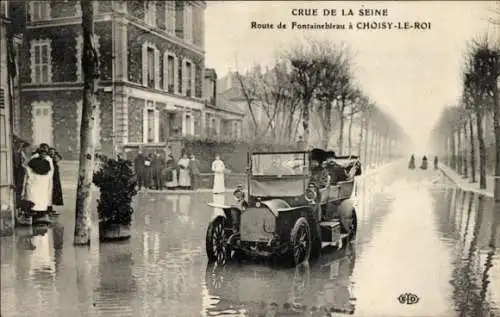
(151, 127)
(42, 125)
(39, 10)
(4, 10)
(189, 78)
(188, 22)
(151, 66)
(169, 75)
(213, 127)
(150, 12)
(79, 53)
(188, 125)
(170, 16)
(41, 67)
(188, 74)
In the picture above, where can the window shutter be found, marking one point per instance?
(157, 125)
(145, 124)
(157, 69)
(2, 98)
(144, 65)
(193, 80)
(176, 74)
(165, 71)
(184, 78)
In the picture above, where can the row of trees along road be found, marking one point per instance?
(312, 88)
(459, 136)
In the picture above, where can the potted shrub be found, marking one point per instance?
(117, 182)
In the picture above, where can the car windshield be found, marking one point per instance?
(285, 164)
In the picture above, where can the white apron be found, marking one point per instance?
(184, 177)
(218, 169)
(38, 188)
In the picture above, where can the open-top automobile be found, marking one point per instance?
(287, 212)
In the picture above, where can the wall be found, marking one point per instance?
(64, 112)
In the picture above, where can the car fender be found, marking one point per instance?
(278, 205)
(223, 210)
(345, 211)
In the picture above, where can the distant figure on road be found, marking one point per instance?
(139, 168)
(424, 163)
(411, 165)
(218, 168)
(436, 162)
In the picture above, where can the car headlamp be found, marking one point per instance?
(311, 194)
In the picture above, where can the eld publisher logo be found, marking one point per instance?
(408, 299)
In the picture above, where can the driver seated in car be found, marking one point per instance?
(337, 172)
(319, 174)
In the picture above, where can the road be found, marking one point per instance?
(417, 234)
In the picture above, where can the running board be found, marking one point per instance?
(329, 224)
(337, 243)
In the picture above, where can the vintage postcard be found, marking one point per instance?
(249, 158)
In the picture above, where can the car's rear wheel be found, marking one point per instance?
(300, 242)
(351, 229)
(216, 241)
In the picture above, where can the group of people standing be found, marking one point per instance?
(159, 171)
(156, 171)
(37, 179)
(424, 165)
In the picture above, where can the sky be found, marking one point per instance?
(411, 74)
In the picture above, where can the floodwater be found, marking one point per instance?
(417, 234)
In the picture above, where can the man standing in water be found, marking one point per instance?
(139, 168)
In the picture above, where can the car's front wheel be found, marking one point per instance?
(300, 242)
(216, 241)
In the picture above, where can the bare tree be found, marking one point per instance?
(272, 102)
(335, 65)
(90, 67)
(355, 106)
(481, 80)
(306, 76)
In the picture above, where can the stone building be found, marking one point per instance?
(152, 73)
(6, 176)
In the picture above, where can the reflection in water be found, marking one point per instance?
(251, 290)
(470, 229)
(116, 284)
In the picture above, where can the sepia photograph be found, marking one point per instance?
(177, 158)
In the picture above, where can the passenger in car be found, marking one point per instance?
(337, 172)
(319, 174)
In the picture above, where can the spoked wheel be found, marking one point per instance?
(300, 241)
(216, 242)
(352, 229)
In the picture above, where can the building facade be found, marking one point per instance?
(152, 73)
(6, 175)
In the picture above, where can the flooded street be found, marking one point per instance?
(417, 234)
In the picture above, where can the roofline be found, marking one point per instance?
(224, 110)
